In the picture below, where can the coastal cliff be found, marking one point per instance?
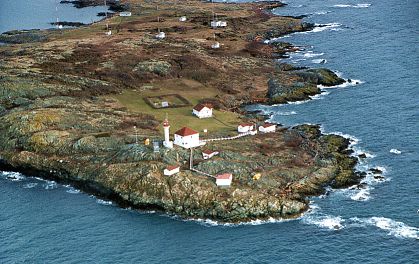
(69, 103)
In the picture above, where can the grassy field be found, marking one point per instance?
(179, 117)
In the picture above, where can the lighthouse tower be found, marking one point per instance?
(166, 126)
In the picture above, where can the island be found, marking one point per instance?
(147, 109)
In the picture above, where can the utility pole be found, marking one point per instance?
(191, 160)
(136, 135)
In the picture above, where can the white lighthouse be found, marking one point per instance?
(166, 126)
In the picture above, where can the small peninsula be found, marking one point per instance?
(87, 105)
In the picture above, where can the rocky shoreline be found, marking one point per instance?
(59, 118)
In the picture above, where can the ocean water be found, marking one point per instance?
(375, 42)
(31, 14)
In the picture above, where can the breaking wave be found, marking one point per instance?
(13, 176)
(352, 82)
(323, 27)
(50, 185)
(353, 6)
(30, 185)
(103, 202)
(394, 228)
(395, 151)
(319, 61)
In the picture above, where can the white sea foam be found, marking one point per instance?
(72, 190)
(353, 6)
(395, 151)
(13, 176)
(298, 102)
(311, 54)
(363, 5)
(319, 61)
(49, 185)
(323, 27)
(30, 185)
(358, 151)
(341, 5)
(361, 195)
(394, 228)
(103, 202)
(319, 96)
(322, 13)
(352, 139)
(286, 113)
(343, 85)
(325, 221)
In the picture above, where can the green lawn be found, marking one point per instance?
(182, 116)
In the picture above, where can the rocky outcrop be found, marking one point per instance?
(303, 85)
(320, 77)
(23, 36)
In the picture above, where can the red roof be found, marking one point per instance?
(225, 176)
(208, 152)
(246, 124)
(199, 107)
(170, 168)
(185, 131)
(268, 125)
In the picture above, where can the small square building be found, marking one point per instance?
(224, 180)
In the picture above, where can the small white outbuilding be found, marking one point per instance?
(182, 19)
(170, 170)
(244, 128)
(218, 23)
(161, 35)
(207, 154)
(125, 14)
(224, 180)
(216, 45)
(267, 128)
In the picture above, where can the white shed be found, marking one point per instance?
(182, 19)
(202, 110)
(267, 128)
(170, 170)
(187, 138)
(161, 35)
(224, 180)
(216, 45)
(244, 128)
(125, 14)
(207, 154)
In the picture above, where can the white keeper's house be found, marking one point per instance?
(202, 110)
(186, 138)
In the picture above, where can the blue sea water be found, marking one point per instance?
(31, 14)
(375, 42)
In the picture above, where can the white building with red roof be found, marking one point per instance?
(224, 180)
(187, 138)
(267, 128)
(202, 110)
(207, 154)
(244, 128)
(170, 170)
